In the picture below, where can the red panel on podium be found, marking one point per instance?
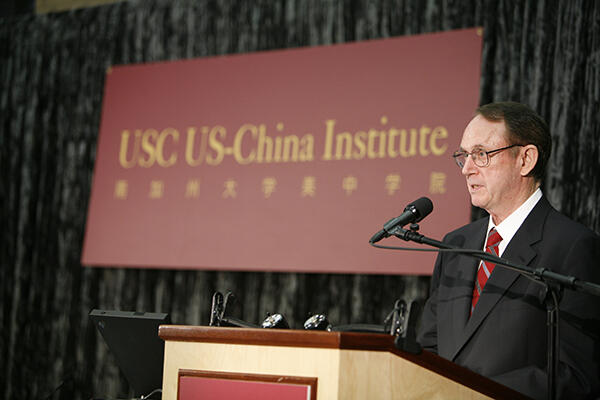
(214, 385)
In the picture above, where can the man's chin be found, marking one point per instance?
(477, 201)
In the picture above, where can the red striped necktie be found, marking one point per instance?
(485, 267)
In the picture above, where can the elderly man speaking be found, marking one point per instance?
(490, 319)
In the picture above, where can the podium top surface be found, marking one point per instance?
(337, 340)
(278, 337)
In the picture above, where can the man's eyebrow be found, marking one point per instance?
(475, 148)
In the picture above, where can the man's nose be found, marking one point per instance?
(469, 167)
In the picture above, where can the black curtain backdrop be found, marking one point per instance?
(52, 68)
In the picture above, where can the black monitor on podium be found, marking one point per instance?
(132, 338)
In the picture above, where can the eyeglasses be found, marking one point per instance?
(480, 157)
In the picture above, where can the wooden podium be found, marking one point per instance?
(336, 365)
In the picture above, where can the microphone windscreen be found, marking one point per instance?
(423, 206)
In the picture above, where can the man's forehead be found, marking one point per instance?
(481, 133)
(494, 139)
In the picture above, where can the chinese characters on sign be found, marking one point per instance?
(308, 188)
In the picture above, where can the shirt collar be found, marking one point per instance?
(513, 222)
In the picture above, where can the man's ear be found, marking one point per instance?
(529, 157)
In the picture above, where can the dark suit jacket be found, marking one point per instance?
(505, 338)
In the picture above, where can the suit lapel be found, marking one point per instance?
(520, 251)
(466, 267)
(462, 269)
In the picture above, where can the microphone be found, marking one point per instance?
(414, 212)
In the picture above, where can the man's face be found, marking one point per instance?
(497, 187)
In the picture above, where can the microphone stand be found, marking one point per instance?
(553, 282)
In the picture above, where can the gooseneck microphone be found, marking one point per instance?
(414, 212)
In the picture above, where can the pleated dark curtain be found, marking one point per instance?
(52, 68)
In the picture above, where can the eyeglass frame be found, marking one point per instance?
(487, 155)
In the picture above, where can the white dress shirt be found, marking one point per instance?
(513, 222)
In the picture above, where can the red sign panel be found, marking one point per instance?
(283, 160)
(194, 387)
